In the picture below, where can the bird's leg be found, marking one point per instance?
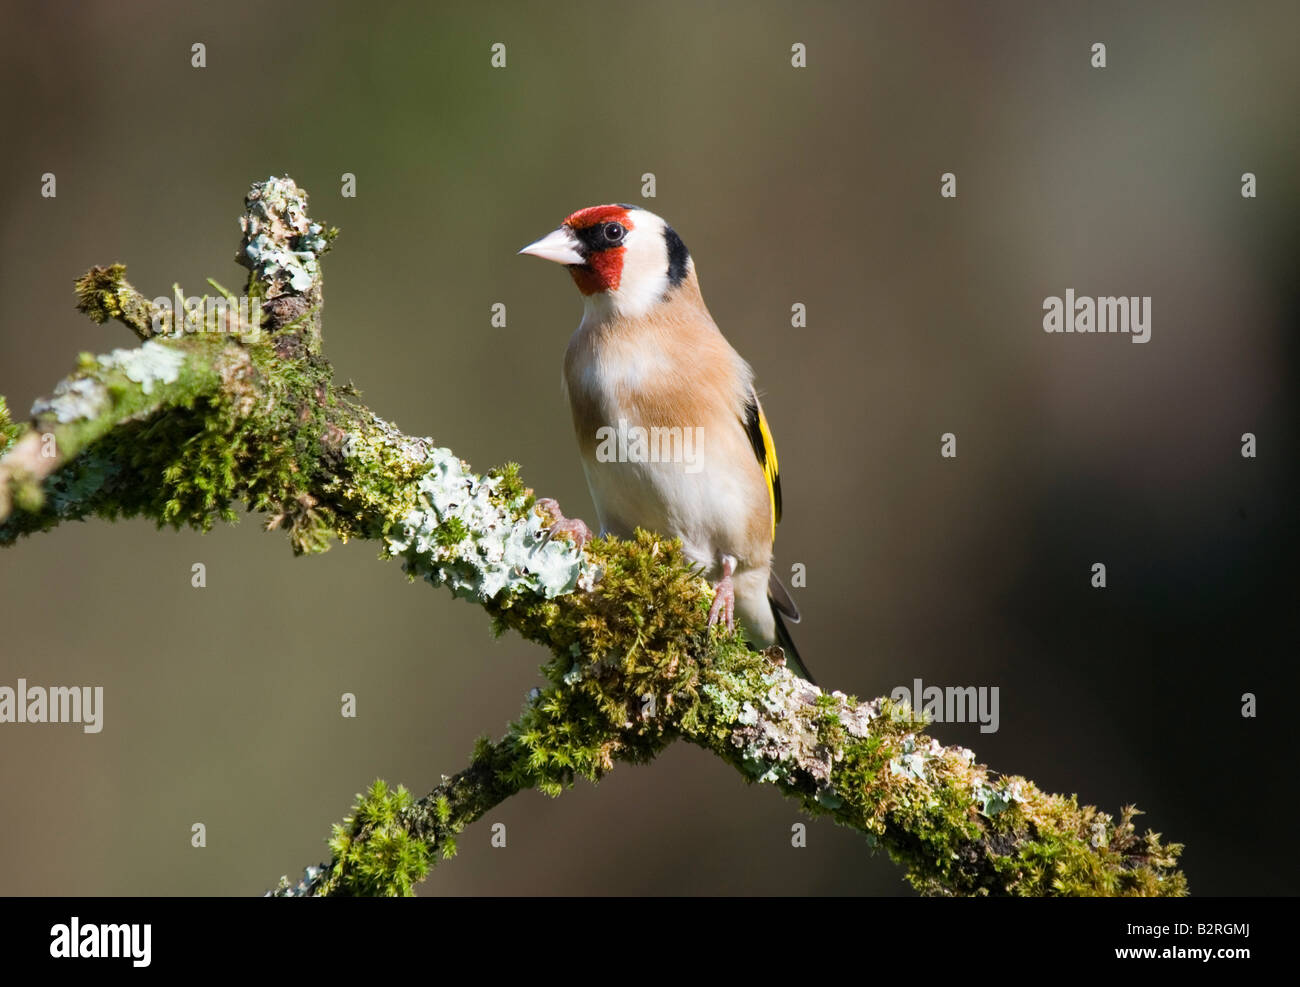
(724, 596)
(574, 527)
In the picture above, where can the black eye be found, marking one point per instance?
(614, 232)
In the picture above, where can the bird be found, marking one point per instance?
(671, 431)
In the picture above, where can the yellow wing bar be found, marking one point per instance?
(760, 437)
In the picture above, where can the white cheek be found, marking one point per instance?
(643, 285)
(644, 280)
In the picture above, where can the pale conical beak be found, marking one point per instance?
(560, 246)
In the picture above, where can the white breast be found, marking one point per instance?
(699, 494)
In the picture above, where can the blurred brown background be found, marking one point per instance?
(818, 185)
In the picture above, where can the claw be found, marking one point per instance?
(724, 596)
(575, 528)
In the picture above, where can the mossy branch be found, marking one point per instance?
(190, 423)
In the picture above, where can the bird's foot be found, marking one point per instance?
(724, 596)
(574, 527)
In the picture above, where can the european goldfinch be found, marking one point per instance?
(672, 434)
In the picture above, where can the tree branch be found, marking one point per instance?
(201, 416)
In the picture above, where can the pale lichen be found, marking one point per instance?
(996, 799)
(70, 491)
(460, 536)
(74, 399)
(780, 738)
(148, 364)
(281, 244)
(913, 758)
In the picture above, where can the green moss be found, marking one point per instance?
(1063, 849)
(452, 532)
(374, 852)
(184, 443)
(510, 490)
(620, 673)
(9, 429)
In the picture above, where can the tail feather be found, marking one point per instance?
(780, 597)
(783, 638)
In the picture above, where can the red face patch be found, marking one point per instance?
(584, 218)
(604, 268)
(602, 272)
